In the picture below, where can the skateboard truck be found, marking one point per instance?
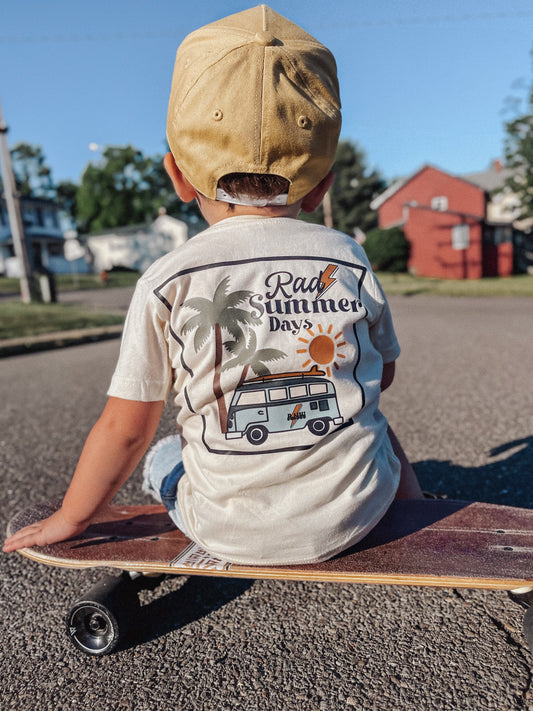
(100, 618)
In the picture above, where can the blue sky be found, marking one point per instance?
(421, 81)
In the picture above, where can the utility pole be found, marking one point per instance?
(14, 214)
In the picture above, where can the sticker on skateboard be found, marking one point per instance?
(196, 557)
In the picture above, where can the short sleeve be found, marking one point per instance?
(382, 332)
(143, 371)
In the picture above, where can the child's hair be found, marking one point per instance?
(254, 94)
(253, 188)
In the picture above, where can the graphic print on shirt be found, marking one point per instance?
(283, 402)
(273, 353)
(223, 315)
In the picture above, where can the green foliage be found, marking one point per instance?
(33, 176)
(387, 250)
(115, 192)
(354, 188)
(519, 155)
(124, 188)
(66, 192)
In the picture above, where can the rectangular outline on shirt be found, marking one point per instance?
(253, 260)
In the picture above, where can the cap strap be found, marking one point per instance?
(223, 196)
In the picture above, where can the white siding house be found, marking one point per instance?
(133, 247)
(136, 246)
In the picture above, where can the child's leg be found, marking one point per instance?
(409, 487)
(162, 471)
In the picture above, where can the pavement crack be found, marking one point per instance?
(518, 645)
(513, 642)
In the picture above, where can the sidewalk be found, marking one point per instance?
(111, 300)
(59, 339)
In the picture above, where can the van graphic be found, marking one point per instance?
(283, 402)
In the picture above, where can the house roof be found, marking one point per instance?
(125, 231)
(378, 201)
(28, 200)
(132, 230)
(492, 179)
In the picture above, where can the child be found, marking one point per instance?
(272, 335)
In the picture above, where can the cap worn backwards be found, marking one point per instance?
(254, 93)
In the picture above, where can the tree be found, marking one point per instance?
(354, 188)
(387, 250)
(519, 155)
(124, 188)
(116, 191)
(66, 192)
(33, 176)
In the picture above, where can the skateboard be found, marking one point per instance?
(439, 543)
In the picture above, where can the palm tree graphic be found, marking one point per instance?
(220, 314)
(249, 357)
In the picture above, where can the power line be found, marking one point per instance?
(383, 22)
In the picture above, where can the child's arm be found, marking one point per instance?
(409, 487)
(113, 449)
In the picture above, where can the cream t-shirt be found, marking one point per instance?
(270, 334)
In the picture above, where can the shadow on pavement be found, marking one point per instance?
(196, 598)
(507, 481)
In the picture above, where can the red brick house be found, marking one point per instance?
(444, 217)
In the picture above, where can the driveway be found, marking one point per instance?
(462, 405)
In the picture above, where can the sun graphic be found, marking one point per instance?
(322, 348)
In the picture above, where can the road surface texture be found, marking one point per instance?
(462, 404)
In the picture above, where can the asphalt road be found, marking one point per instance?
(462, 404)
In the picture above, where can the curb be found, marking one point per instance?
(58, 339)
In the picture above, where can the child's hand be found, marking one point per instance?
(41, 533)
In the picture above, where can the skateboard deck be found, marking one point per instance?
(440, 543)
(433, 543)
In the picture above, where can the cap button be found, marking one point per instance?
(266, 39)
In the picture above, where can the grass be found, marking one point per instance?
(407, 285)
(394, 284)
(18, 320)
(75, 282)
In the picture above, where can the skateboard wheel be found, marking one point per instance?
(93, 628)
(98, 621)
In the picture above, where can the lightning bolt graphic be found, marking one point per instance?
(294, 415)
(326, 280)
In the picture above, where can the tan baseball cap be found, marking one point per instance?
(254, 93)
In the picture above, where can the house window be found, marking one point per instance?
(28, 216)
(460, 237)
(439, 203)
(51, 219)
(497, 234)
(55, 249)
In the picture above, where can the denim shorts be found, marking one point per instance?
(162, 471)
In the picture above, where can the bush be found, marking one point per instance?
(387, 250)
